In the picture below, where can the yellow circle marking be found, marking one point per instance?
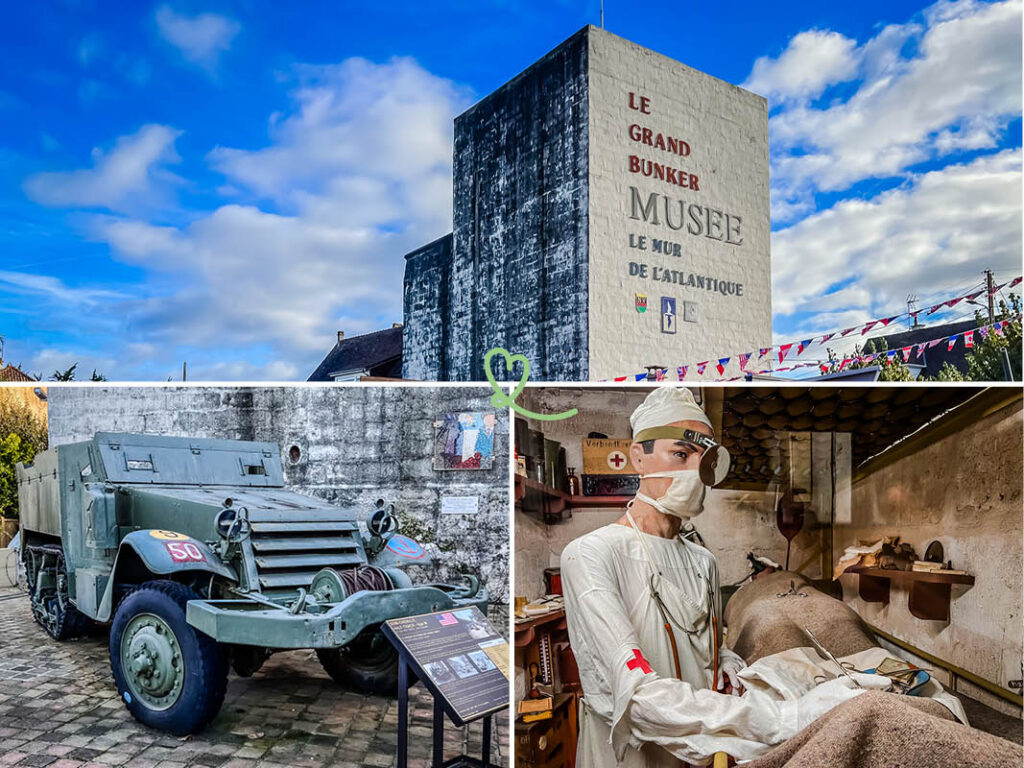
(168, 535)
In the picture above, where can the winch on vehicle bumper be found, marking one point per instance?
(244, 622)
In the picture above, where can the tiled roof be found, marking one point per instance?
(378, 353)
(12, 373)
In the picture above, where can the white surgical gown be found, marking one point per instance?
(636, 714)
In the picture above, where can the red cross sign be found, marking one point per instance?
(616, 459)
(638, 660)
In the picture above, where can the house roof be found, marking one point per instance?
(935, 357)
(13, 373)
(378, 354)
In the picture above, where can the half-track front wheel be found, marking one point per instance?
(47, 581)
(169, 675)
(369, 664)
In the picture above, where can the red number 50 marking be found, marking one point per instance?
(184, 552)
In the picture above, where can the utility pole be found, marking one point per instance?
(990, 289)
(184, 371)
(602, 14)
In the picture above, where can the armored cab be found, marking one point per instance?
(198, 557)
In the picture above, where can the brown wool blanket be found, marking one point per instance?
(761, 624)
(883, 730)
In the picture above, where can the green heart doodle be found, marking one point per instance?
(501, 399)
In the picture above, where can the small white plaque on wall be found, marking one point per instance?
(460, 505)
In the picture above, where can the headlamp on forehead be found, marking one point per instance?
(714, 461)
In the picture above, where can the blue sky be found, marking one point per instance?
(229, 183)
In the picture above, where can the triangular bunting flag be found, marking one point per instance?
(701, 367)
(973, 296)
(826, 337)
(660, 375)
(803, 345)
(952, 342)
(984, 331)
(681, 371)
(744, 359)
(640, 377)
(888, 320)
(906, 353)
(721, 365)
(783, 350)
(920, 349)
(998, 328)
(620, 378)
(1016, 281)
(890, 354)
(764, 351)
(848, 330)
(868, 326)
(969, 339)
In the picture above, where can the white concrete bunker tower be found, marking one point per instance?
(611, 212)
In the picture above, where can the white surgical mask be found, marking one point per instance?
(685, 496)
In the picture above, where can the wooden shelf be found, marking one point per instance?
(599, 501)
(525, 631)
(533, 496)
(930, 593)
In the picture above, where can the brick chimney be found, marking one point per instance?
(341, 336)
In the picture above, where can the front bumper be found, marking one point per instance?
(247, 622)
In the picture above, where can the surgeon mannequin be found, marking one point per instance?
(643, 611)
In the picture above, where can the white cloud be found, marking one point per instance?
(926, 238)
(957, 91)
(813, 60)
(53, 289)
(200, 39)
(360, 174)
(128, 176)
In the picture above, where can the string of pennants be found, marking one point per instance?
(914, 350)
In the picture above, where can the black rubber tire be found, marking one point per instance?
(206, 661)
(369, 664)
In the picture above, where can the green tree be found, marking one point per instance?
(68, 375)
(891, 368)
(985, 359)
(22, 435)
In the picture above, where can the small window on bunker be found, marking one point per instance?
(255, 469)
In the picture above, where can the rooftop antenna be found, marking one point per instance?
(912, 309)
(602, 14)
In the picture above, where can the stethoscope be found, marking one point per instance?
(669, 620)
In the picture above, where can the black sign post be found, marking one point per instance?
(463, 662)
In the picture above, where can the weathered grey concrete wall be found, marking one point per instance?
(519, 269)
(732, 523)
(726, 131)
(357, 444)
(965, 491)
(427, 286)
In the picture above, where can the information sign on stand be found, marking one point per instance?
(464, 663)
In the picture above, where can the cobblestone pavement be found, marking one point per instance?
(59, 708)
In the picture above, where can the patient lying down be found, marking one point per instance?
(766, 620)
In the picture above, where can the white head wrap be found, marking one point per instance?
(667, 405)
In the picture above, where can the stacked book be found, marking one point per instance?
(531, 710)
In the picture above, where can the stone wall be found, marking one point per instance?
(427, 286)
(732, 523)
(356, 444)
(519, 268)
(964, 490)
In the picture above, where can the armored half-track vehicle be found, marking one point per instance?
(198, 558)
